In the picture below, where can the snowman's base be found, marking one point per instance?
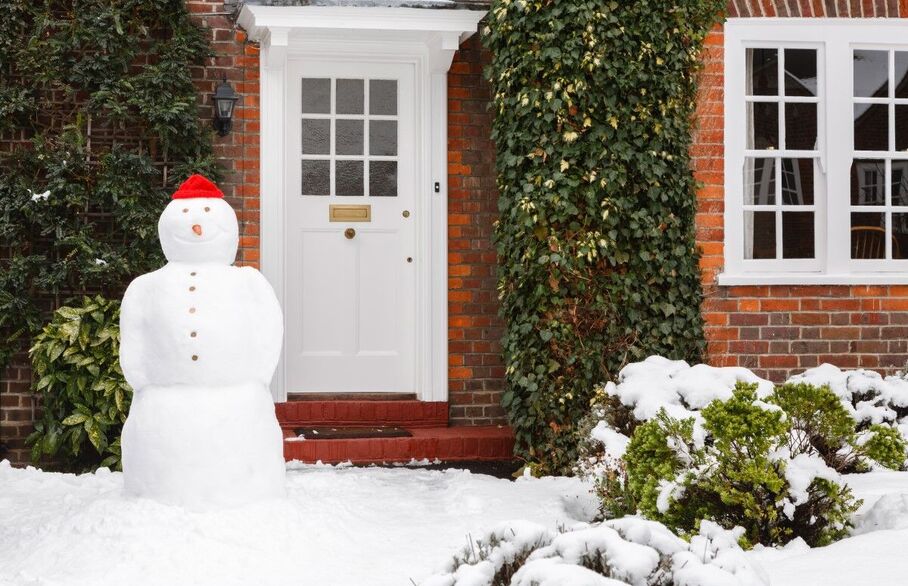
(203, 447)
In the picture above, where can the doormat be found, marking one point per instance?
(312, 433)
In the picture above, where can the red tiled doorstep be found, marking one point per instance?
(443, 443)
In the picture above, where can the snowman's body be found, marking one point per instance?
(200, 340)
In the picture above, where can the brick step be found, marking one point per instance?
(409, 414)
(448, 444)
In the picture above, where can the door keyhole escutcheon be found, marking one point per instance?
(349, 233)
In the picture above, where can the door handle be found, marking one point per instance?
(349, 233)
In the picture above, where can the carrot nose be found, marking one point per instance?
(197, 229)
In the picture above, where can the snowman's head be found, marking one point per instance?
(198, 225)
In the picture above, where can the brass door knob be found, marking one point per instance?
(349, 233)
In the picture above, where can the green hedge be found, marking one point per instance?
(593, 104)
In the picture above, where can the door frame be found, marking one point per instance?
(424, 38)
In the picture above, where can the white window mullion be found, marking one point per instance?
(735, 141)
(840, 138)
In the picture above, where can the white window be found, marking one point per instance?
(816, 151)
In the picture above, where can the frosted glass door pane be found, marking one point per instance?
(349, 96)
(383, 97)
(316, 98)
(383, 137)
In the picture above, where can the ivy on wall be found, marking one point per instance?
(594, 104)
(98, 123)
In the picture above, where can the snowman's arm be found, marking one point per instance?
(132, 347)
(270, 331)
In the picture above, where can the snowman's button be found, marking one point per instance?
(192, 288)
(192, 334)
(195, 357)
(192, 310)
(192, 274)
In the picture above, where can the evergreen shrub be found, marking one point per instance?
(744, 475)
(85, 398)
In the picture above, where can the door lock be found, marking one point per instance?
(349, 233)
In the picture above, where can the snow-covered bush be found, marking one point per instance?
(746, 475)
(626, 551)
(819, 422)
(841, 415)
(884, 445)
(644, 388)
(874, 402)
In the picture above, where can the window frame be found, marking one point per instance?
(834, 40)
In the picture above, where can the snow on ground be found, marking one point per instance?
(876, 555)
(356, 526)
(340, 526)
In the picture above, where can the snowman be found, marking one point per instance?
(199, 342)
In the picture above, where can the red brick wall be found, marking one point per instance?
(17, 410)
(238, 152)
(780, 330)
(238, 155)
(476, 372)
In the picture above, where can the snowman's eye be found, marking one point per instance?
(185, 210)
(207, 209)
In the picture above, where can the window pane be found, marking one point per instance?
(383, 178)
(800, 72)
(871, 127)
(349, 96)
(759, 181)
(763, 125)
(797, 235)
(316, 136)
(901, 74)
(383, 97)
(383, 137)
(316, 179)
(348, 177)
(763, 72)
(900, 183)
(797, 182)
(868, 235)
(801, 126)
(316, 97)
(901, 127)
(868, 182)
(759, 235)
(899, 235)
(871, 73)
(349, 137)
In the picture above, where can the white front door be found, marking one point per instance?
(349, 232)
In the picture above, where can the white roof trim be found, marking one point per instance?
(258, 21)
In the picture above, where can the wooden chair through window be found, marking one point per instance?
(869, 242)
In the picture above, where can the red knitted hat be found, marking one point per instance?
(197, 186)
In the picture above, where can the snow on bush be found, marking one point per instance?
(748, 474)
(620, 552)
(878, 406)
(867, 396)
(680, 389)
(853, 436)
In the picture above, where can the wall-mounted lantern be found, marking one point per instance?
(224, 99)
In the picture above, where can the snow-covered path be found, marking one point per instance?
(340, 526)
